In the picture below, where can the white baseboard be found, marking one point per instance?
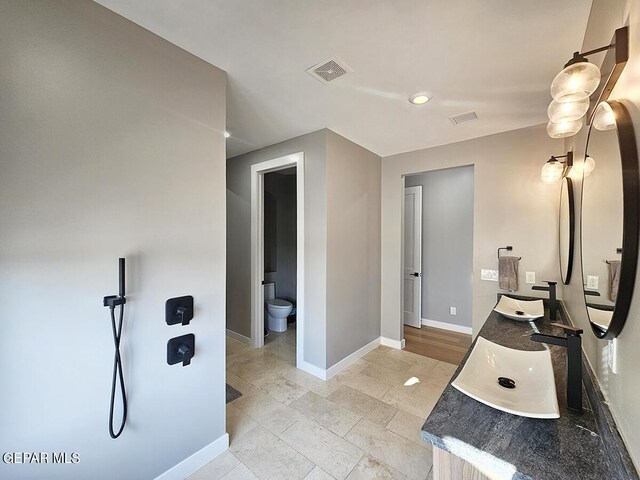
(199, 459)
(445, 326)
(389, 342)
(238, 337)
(345, 362)
(321, 373)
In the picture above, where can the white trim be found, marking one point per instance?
(342, 364)
(345, 362)
(400, 264)
(389, 342)
(196, 461)
(257, 253)
(412, 318)
(321, 373)
(238, 337)
(446, 326)
(257, 260)
(300, 258)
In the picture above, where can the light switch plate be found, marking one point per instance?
(531, 277)
(452, 311)
(592, 282)
(490, 275)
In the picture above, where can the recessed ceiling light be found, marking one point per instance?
(419, 98)
(227, 134)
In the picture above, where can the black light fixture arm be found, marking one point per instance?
(568, 156)
(598, 50)
(568, 163)
(579, 57)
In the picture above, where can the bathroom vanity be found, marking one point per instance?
(474, 441)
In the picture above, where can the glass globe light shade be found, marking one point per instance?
(564, 128)
(588, 166)
(604, 119)
(582, 168)
(569, 111)
(575, 82)
(551, 172)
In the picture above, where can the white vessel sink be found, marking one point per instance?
(520, 310)
(534, 394)
(600, 318)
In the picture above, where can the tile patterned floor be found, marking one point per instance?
(362, 424)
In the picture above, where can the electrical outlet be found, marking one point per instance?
(613, 355)
(452, 311)
(490, 275)
(592, 282)
(531, 277)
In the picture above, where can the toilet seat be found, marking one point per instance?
(278, 303)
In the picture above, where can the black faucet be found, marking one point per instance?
(553, 302)
(573, 343)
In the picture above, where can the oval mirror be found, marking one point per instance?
(610, 208)
(566, 230)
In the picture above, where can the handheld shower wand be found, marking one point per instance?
(112, 301)
(121, 276)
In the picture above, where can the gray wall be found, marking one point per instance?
(447, 243)
(622, 390)
(239, 239)
(111, 145)
(353, 247)
(283, 189)
(511, 207)
(342, 244)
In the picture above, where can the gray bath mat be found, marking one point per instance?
(232, 393)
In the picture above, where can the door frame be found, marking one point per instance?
(418, 188)
(399, 236)
(258, 171)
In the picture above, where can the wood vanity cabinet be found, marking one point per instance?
(447, 466)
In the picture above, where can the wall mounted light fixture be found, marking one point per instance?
(588, 166)
(579, 80)
(555, 169)
(564, 128)
(582, 169)
(603, 117)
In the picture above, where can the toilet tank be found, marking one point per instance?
(269, 291)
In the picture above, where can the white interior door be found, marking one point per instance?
(412, 255)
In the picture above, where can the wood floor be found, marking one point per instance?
(442, 345)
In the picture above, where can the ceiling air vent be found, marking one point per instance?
(463, 117)
(328, 70)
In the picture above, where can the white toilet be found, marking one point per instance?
(277, 310)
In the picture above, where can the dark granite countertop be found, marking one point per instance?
(571, 447)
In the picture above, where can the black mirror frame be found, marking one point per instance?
(631, 221)
(566, 276)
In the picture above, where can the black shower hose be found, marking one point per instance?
(117, 371)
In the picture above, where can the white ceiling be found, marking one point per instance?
(496, 57)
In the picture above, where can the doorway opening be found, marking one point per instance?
(277, 256)
(437, 282)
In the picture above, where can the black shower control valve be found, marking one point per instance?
(186, 354)
(181, 349)
(179, 310)
(185, 314)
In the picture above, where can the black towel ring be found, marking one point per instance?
(618, 251)
(508, 248)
